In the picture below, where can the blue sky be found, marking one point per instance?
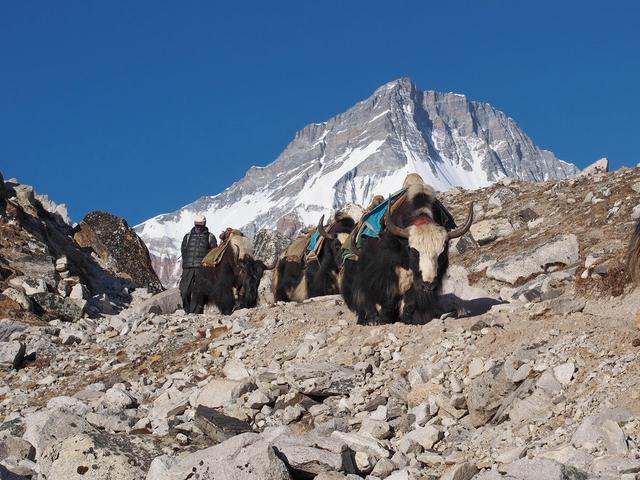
(138, 108)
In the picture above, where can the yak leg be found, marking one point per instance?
(389, 311)
(225, 300)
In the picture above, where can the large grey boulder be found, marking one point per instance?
(163, 303)
(486, 231)
(486, 393)
(322, 379)
(539, 468)
(67, 309)
(312, 454)
(247, 456)
(11, 354)
(501, 197)
(99, 456)
(563, 249)
(51, 426)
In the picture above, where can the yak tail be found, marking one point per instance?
(633, 255)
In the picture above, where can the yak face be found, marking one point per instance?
(250, 273)
(427, 242)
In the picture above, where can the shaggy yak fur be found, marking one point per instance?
(232, 284)
(297, 280)
(398, 275)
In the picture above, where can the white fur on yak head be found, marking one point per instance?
(423, 234)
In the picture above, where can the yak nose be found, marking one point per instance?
(428, 286)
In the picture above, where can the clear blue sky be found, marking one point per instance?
(140, 107)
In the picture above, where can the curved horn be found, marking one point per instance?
(237, 253)
(323, 232)
(458, 232)
(393, 228)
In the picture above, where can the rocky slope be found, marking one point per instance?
(367, 150)
(536, 379)
(51, 270)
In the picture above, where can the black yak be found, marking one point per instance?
(232, 282)
(300, 274)
(397, 276)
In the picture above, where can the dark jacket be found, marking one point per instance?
(195, 245)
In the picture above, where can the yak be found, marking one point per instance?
(232, 283)
(397, 276)
(299, 276)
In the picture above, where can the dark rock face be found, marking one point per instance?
(119, 247)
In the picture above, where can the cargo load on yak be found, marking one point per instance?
(372, 222)
(215, 254)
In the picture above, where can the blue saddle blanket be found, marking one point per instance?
(372, 221)
(313, 241)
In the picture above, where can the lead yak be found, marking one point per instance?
(397, 276)
(300, 275)
(232, 282)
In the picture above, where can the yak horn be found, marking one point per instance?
(237, 253)
(458, 232)
(394, 229)
(323, 232)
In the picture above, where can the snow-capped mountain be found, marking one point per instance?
(367, 150)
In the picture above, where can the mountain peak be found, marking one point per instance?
(366, 150)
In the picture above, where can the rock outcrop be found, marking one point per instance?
(119, 247)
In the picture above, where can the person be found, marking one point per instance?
(195, 246)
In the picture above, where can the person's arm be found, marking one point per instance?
(213, 243)
(184, 244)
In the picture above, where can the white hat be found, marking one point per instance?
(200, 220)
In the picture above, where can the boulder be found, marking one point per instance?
(486, 393)
(17, 296)
(244, 457)
(563, 249)
(99, 456)
(11, 354)
(218, 393)
(51, 426)
(486, 231)
(119, 248)
(538, 468)
(163, 303)
(66, 309)
(461, 471)
(15, 448)
(362, 443)
(312, 455)
(501, 197)
(599, 166)
(322, 379)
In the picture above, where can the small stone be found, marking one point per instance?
(476, 368)
(182, 439)
(564, 372)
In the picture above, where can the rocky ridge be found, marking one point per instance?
(51, 270)
(534, 378)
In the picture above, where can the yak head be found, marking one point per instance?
(426, 239)
(334, 238)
